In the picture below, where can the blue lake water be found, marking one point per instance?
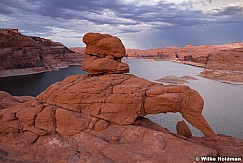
(34, 84)
(223, 102)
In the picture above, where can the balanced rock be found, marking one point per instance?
(105, 52)
(103, 45)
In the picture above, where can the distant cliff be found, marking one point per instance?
(221, 62)
(197, 54)
(20, 54)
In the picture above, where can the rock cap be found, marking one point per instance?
(103, 45)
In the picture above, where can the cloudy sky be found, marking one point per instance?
(139, 23)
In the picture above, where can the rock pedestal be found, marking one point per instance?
(105, 54)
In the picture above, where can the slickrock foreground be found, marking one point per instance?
(20, 54)
(99, 118)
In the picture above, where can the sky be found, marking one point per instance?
(140, 24)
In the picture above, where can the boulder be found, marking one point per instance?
(183, 129)
(103, 45)
(96, 65)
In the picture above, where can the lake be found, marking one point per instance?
(34, 84)
(223, 102)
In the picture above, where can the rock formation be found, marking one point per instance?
(221, 62)
(183, 129)
(189, 53)
(105, 52)
(172, 79)
(7, 100)
(225, 65)
(98, 118)
(120, 99)
(20, 54)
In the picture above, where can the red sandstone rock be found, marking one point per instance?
(221, 62)
(88, 118)
(96, 65)
(196, 54)
(106, 52)
(225, 146)
(93, 146)
(7, 100)
(172, 79)
(101, 125)
(20, 54)
(226, 66)
(120, 99)
(102, 45)
(183, 129)
(77, 120)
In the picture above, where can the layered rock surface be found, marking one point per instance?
(20, 54)
(196, 54)
(226, 66)
(97, 119)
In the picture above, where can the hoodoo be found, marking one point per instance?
(105, 54)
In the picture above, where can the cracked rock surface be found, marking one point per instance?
(62, 124)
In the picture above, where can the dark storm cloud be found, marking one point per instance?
(4, 9)
(232, 10)
(121, 13)
(165, 14)
(92, 11)
(66, 20)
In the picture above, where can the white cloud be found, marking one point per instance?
(211, 6)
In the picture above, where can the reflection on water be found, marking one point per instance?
(34, 84)
(223, 102)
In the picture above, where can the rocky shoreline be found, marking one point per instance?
(99, 117)
(30, 71)
(22, 55)
(223, 63)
